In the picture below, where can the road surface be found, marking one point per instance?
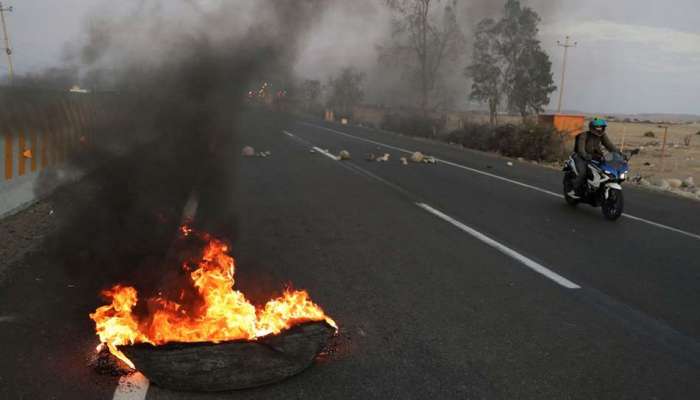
(467, 279)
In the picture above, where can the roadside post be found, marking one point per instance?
(663, 147)
(624, 134)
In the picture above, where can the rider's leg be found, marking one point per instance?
(580, 180)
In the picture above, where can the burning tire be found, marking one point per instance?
(243, 364)
(213, 339)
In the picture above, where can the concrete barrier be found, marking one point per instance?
(39, 131)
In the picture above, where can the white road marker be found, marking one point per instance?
(327, 154)
(501, 178)
(535, 266)
(132, 387)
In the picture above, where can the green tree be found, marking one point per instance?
(422, 44)
(485, 71)
(508, 62)
(528, 79)
(532, 83)
(346, 90)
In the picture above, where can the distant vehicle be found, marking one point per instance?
(603, 186)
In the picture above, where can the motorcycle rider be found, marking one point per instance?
(588, 147)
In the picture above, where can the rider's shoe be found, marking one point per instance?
(573, 195)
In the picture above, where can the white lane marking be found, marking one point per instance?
(7, 318)
(287, 133)
(478, 235)
(490, 175)
(521, 184)
(535, 266)
(327, 154)
(662, 226)
(132, 387)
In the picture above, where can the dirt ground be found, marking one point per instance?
(681, 161)
(23, 232)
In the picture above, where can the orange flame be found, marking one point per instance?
(225, 314)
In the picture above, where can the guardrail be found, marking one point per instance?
(39, 131)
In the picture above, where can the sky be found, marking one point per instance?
(632, 56)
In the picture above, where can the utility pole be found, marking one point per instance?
(566, 45)
(8, 49)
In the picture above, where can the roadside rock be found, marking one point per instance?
(344, 155)
(675, 183)
(417, 157)
(689, 182)
(644, 182)
(662, 184)
(248, 152)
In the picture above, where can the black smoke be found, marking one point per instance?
(169, 104)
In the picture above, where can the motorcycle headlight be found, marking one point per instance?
(623, 176)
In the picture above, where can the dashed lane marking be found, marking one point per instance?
(533, 265)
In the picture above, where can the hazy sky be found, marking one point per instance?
(633, 56)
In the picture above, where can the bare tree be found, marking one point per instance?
(346, 90)
(422, 43)
(310, 94)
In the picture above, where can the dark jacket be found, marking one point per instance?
(588, 144)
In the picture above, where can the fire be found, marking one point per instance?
(223, 315)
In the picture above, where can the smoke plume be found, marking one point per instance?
(171, 79)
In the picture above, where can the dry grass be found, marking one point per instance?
(681, 161)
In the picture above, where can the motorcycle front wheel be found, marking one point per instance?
(614, 205)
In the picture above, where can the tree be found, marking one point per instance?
(532, 83)
(528, 79)
(346, 90)
(422, 44)
(310, 93)
(509, 62)
(485, 71)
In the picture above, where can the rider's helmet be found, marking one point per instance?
(598, 126)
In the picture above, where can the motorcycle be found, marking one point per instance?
(603, 187)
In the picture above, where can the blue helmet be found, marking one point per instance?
(598, 125)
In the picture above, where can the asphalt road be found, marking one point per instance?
(467, 279)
